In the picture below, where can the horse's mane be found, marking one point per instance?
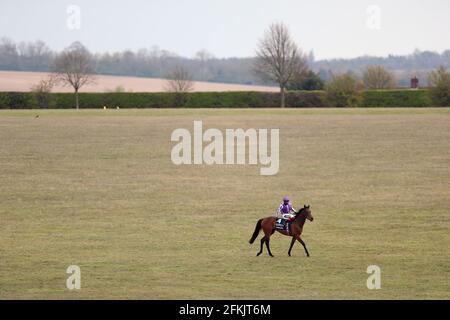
(299, 212)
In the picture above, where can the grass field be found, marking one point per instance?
(97, 189)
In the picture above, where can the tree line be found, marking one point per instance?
(155, 62)
(152, 62)
(279, 60)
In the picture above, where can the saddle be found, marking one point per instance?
(283, 224)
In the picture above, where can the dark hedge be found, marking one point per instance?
(294, 99)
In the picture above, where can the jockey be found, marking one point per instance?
(286, 211)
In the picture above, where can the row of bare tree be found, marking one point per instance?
(278, 60)
(73, 67)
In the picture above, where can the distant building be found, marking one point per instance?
(414, 83)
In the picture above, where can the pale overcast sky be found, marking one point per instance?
(231, 28)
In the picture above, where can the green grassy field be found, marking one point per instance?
(98, 189)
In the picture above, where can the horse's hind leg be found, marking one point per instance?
(292, 244)
(268, 246)
(304, 245)
(263, 239)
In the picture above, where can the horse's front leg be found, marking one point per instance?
(304, 245)
(292, 244)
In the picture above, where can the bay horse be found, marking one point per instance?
(268, 227)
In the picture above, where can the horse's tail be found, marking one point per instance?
(256, 232)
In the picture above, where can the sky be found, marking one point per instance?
(231, 28)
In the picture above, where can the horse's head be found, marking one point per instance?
(307, 211)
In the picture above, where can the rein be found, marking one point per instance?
(299, 214)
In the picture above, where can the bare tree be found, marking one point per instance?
(344, 91)
(377, 77)
(41, 91)
(439, 82)
(73, 67)
(278, 58)
(179, 80)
